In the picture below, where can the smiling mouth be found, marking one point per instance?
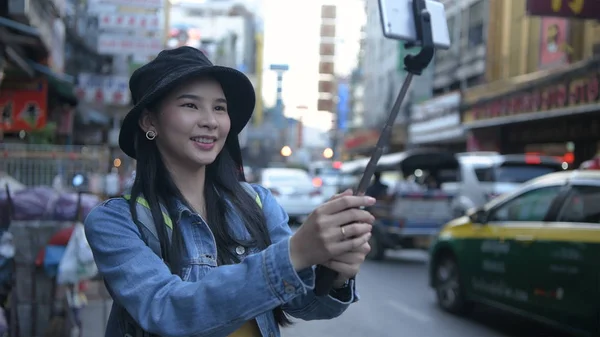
(204, 140)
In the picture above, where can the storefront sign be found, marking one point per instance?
(361, 139)
(23, 105)
(109, 90)
(124, 21)
(580, 9)
(435, 120)
(112, 44)
(149, 4)
(568, 93)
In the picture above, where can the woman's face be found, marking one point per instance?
(192, 123)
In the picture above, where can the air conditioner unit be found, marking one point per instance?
(35, 14)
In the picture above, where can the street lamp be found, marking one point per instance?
(328, 153)
(286, 151)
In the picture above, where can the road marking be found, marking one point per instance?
(410, 312)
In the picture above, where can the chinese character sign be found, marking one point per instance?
(580, 9)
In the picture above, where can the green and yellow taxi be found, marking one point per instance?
(535, 252)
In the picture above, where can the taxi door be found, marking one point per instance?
(508, 265)
(568, 291)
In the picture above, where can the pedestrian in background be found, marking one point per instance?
(230, 266)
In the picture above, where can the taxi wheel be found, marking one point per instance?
(377, 252)
(449, 287)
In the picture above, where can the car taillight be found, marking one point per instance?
(274, 191)
(317, 182)
(315, 193)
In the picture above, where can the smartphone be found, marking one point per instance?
(398, 22)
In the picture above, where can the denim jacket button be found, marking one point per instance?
(240, 250)
(290, 289)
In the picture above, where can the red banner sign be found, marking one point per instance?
(580, 9)
(361, 139)
(582, 90)
(23, 105)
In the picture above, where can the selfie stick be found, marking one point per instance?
(414, 65)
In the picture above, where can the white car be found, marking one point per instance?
(294, 191)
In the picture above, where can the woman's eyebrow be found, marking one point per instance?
(199, 98)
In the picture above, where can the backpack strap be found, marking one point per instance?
(146, 223)
(252, 192)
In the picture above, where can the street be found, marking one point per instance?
(396, 301)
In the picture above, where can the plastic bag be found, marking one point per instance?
(78, 262)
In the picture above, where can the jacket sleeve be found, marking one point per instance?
(162, 303)
(307, 306)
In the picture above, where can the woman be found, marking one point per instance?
(231, 266)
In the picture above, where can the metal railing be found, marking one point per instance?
(35, 165)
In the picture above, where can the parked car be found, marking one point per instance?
(486, 175)
(293, 189)
(533, 251)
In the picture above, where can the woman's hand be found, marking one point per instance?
(335, 229)
(348, 264)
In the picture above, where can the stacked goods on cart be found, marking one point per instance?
(44, 228)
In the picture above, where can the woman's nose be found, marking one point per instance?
(208, 120)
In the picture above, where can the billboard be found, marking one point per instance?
(23, 105)
(554, 42)
(580, 9)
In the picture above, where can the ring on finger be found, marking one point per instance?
(343, 233)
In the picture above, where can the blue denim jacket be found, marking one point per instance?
(206, 300)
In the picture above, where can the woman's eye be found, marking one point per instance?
(190, 105)
(220, 108)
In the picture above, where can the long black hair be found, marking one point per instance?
(154, 182)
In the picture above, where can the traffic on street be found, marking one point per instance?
(397, 301)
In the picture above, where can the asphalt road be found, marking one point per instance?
(396, 301)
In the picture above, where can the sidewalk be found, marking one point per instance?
(95, 315)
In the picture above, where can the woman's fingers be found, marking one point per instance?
(343, 203)
(348, 216)
(345, 246)
(349, 231)
(339, 195)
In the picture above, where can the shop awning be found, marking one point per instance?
(19, 27)
(62, 84)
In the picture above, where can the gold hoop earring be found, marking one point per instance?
(150, 135)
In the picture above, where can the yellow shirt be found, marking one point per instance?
(249, 329)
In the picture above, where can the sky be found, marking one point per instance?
(291, 33)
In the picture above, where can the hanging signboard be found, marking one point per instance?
(23, 105)
(124, 21)
(108, 90)
(568, 92)
(112, 44)
(149, 4)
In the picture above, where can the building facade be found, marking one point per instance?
(382, 74)
(37, 97)
(543, 93)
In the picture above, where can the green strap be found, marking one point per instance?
(143, 202)
(167, 219)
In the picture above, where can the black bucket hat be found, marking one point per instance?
(173, 67)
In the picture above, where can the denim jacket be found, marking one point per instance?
(206, 300)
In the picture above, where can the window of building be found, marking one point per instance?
(476, 20)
